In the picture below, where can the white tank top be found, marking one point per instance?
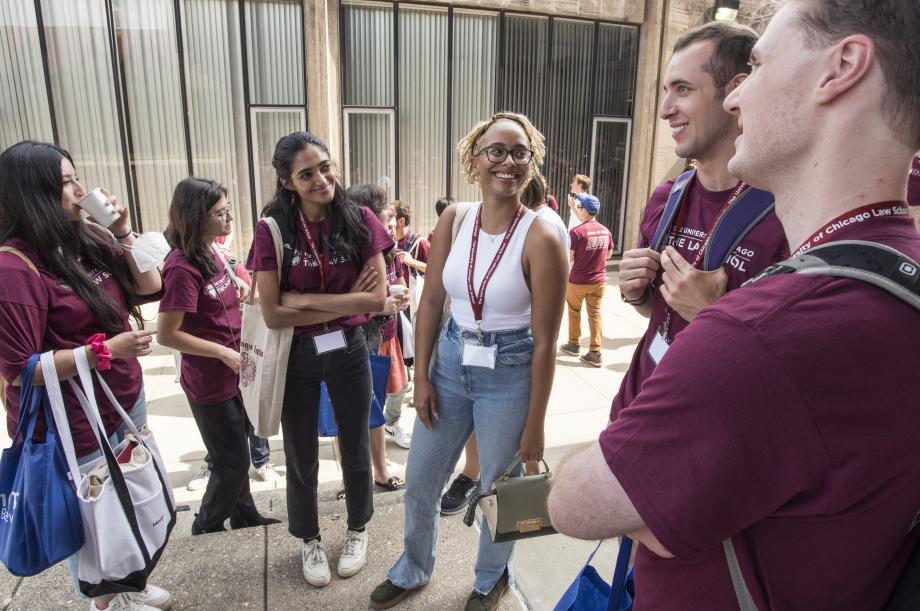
(507, 303)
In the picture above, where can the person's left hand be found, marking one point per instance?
(686, 289)
(242, 291)
(530, 447)
(123, 225)
(406, 259)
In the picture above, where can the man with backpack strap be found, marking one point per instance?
(685, 217)
(784, 419)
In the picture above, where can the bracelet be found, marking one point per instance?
(635, 302)
(122, 237)
(96, 343)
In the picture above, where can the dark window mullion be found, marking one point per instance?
(244, 58)
(43, 47)
(396, 96)
(183, 91)
(450, 88)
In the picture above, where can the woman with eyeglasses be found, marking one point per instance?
(200, 317)
(505, 273)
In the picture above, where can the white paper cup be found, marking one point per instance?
(98, 208)
(397, 290)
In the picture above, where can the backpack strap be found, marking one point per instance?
(675, 199)
(19, 253)
(870, 262)
(734, 224)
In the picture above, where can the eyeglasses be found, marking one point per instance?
(228, 209)
(497, 154)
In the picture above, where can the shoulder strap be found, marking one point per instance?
(230, 271)
(870, 262)
(745, 600)
(620, 573)
(285, 248)
(415, 246)
(734, 224)
(18, 253)
(675, 198)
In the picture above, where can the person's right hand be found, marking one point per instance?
(366, 280)
(130, 344)
(391, 306)
(638, 268)
(231, 358)
(426, 402)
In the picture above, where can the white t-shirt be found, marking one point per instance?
(553, 218)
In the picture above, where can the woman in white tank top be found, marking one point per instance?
(505, 273)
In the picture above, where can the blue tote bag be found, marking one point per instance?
(589, 592)
(380, 371)
(40, 522)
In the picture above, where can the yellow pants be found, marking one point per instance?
(593, 294)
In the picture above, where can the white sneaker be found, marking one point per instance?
(315, 564)
(200, 479)
(152, 596)
(354, 554)
(267, 473)
(397, 435)
(121, 603)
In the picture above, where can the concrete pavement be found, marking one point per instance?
(259, 568)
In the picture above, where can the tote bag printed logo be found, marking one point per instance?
(248, 366)
(8, 506)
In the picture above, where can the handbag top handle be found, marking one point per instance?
(276, 238)
(506, 474)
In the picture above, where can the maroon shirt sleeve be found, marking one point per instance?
(379, 240)
(424, 247)
(653, 211)
(181, 288)
(23, 315)
(262, 252)
(702, 461)
(573, 240)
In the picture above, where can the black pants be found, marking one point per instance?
(224, 430)
(348, 378)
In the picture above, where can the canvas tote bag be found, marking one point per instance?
(126, 504)
(264, 356)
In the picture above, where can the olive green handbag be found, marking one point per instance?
(516, 506)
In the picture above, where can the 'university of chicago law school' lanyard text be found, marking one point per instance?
(478, 301)
(853, 217)
(666, 327)
(320, 257)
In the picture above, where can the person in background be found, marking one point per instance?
(581, 185)
(79, 296)
(259, 450)
(380, 330)
(334, 278)
(496, 354)
(200, 318)
(592, 245)
(439, 207)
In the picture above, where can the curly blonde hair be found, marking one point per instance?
(466, 148)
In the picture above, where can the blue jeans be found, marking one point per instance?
(138, 415)
(494, 402)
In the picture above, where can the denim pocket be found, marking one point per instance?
(516, 353)
(357, 340)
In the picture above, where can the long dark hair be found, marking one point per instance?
(374, 199)
(188, 212)
(30, 209)
(348, 232)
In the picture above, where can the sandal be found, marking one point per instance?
(392, 485)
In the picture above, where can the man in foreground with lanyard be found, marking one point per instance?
(671, 287)
(784, 419)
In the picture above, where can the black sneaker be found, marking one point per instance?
(487, 602)
(388, 594)
(458, 495)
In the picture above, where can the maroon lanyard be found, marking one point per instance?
(320, 257)
(478, 301)
(853, 217)
(735, 194)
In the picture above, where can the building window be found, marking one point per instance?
(575, 79)
(146, 92)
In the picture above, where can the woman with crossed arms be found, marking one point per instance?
(506, 277)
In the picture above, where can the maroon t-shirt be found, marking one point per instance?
(786, 418)
(591, 242)
(913, 183)
(763, 245)
(212, 313)
(304, 276)
(37, 316)
(420, 253)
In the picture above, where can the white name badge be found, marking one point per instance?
(329, 342)
(475, 355)
(658, 347)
